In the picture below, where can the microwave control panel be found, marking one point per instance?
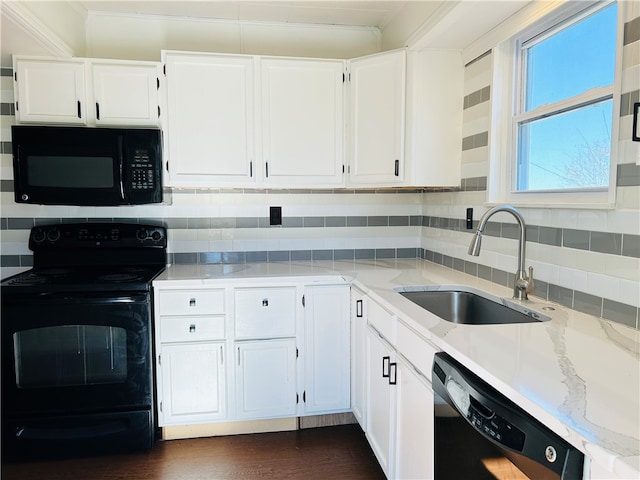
(142, 171)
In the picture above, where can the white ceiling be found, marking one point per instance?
(355, 13)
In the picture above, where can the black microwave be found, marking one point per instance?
(86, 166)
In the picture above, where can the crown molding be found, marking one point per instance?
(35, 28)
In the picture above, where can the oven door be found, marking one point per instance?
(86, 353)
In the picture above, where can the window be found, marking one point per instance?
(562, 113)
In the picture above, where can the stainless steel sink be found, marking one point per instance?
(470, 308)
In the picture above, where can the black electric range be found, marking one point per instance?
(77, 342)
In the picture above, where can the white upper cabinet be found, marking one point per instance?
(50, 90)
(434, 118)
(302, 122)
(210, 119)
(82, 91)
(125, 94)
(377, 112)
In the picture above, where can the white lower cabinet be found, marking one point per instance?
(265, 378)
(326, 349)
(193, 383)
(381, 399)
(398, 397)
(414, 424)
(251, 349)
(358, 356)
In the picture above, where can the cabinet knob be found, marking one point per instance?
(265, 302)
(192, 328)
(192, 302)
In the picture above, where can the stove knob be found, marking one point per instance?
(38, 236)
(156, 235)
(53, 235)
(142, 234)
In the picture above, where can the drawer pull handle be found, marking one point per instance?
(192, 302)
(359, 311)
(393, 379)
(386, 361)
(192, 328)
(265, 302)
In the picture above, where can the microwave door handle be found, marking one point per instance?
(121, 161)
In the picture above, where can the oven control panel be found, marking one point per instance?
(97, 235)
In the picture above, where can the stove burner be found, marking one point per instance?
(56, 272)
(119, 277)
(28, 279)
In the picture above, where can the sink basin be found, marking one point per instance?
(470, 308)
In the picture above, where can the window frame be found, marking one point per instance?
(508, 96)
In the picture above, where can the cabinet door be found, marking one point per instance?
(265, 312)
(210, 119)
(50, 91)
(326, 352)
(265, 379)
(414, 425)
(302, 122)
(193, 383)
(358, 356)
(381, 404)
(377, 119)
(125, 94)
(435, 99)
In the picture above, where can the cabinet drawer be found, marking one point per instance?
(265, 312)
(382, 320)
(191, 329)
(192, 302)
(416, 349)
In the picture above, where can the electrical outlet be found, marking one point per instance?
(469, 218)
(275, 215)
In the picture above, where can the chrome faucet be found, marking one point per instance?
(522, 285)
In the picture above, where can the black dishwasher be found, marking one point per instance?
(486, 436)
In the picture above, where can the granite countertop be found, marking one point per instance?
(577, 374)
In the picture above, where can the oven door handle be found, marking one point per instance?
(89, 298)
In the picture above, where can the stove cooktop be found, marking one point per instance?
(91, 257)
(85, 279)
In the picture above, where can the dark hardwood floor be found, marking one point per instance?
(334, 453)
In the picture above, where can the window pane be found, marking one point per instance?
(573, 60)
(568, 150)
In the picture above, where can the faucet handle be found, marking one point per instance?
(530, 283)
